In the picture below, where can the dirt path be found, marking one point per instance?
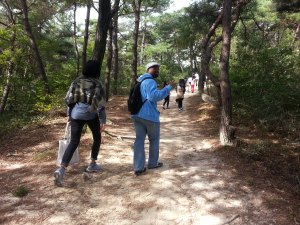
(195, 186)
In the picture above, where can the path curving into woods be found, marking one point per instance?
(196, 185)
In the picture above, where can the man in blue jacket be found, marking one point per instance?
(146, 121)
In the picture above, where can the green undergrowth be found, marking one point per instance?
(20, 191)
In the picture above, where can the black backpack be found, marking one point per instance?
(135, 101)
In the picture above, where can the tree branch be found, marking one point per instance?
(115, 8)
(245, 28)
(212, 30)
(256, 23)
(208, 45)
(4, 24)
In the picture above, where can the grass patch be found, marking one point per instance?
(20, 191)
(45, 155)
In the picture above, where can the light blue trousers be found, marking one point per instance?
(143, 128)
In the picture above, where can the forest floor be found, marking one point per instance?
(200, 183)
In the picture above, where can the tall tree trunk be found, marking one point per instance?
(10, 69)
(86, 34)
(137, 12)
(143, 44)
(114, 45)
(209, 42)
(191, 57)
(6, 88)
(103, 23)
(34, 46)
(227, 131)
(108, 63)
(208, 45)
(115, 48)
(75, 40)
(179, 60)
(114, 14)
(206, 50)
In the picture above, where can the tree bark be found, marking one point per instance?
(86, 34)
(209, 42)
(226, 129)
(115, 49)
(7, 87)
(207, 45)
(143, 44)
(108, 63)
(34, 46)
(103, 23)
(75, 41)
(110, 55)
(11, 65)
(137, 12)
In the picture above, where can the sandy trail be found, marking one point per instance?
(193, 187)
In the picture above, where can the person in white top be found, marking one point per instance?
(196, 79)
(188, 84)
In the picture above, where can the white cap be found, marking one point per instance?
(151, 64)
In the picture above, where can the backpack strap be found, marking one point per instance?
(141, 84)
(146, 79)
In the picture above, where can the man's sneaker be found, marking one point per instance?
(59, 176)
(159, 164)
(140, 172)
(93, 167)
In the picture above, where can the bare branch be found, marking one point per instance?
(215, 42)
(4, 24)
(245, 27)
(11, 14)
(212, 30)
(94, 7)
(260, 27)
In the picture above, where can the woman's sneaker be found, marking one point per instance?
(59, 176)
(93, 167)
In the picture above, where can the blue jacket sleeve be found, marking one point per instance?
(151, 92)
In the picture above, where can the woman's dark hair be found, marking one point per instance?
(181, 81)
(92, 69)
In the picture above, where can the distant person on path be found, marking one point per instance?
(146, 121)
(86, 101)
(193, 84)
(189, 83)
(180, 90)
(196, 79)
(167, 99)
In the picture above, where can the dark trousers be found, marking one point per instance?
(167, 101)
(76, 130)
(179, 102)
